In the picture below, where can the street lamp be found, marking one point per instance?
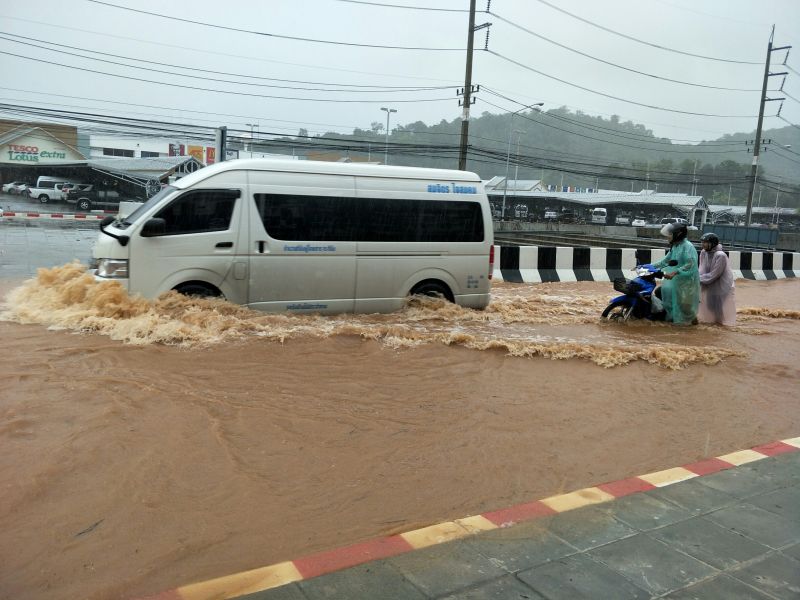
(389, 111)
(508, 153)
(251, 126)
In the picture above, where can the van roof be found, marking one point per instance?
(328, 168)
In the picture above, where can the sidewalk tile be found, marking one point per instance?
(589, 527)
(520, 547)
(375, 580)
(793, 551)
(579, 577)
(745, 482)
(718, 588)
(693, 496)
(286, 592)
(706, 541)
(785, 502)
(446, 568)
(776, 575)
(786, 467)
(505, 588)
(757, 524)
(651, 565)
(644, 512)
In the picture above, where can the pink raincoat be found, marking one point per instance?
(717, 301)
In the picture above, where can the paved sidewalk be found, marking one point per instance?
(731, 535)
(25, 247)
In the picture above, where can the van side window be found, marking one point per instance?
(329, 219)
(199, 211)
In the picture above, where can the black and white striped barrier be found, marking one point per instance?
(537, 264)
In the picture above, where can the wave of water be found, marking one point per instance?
(547, 320)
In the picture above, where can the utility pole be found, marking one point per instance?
(468, 90)
(757, 144)
(221, 142)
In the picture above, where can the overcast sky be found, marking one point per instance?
(736, 30)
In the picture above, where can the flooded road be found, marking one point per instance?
(150, 445)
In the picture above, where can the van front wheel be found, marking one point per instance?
(432, 288)
(198, 289)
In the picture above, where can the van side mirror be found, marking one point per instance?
(154, 227)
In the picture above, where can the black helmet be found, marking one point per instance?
(711, 238)
(675, 231)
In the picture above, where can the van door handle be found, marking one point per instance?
(224, 245)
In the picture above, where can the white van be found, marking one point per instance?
(308, 237)
(599, 216)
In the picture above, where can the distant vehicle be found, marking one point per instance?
(568, 217)
(87, 199)
(599, 216)
(639, 222)
(675, 220)
(622, 220)
(49, 188)
(10, 187)
(67, 187)
(521, 211)
(550, 215)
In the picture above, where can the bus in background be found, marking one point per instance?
(599, 216)
(307, 237)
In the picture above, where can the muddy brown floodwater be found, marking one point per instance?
(150, 445)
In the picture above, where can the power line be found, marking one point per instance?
(190, 87)
(227, 55)
(315, 89)
(274, 35)
(26, 40)
(454, 10)
(624, 68)
(580, 87)
(637, 40)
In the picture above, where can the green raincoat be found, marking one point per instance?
(681, 294)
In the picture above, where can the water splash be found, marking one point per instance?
(521, 324)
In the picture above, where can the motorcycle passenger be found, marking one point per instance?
(680, 292)
(717, 302)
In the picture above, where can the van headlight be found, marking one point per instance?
(112, 268)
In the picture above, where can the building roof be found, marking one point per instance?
(607, 197)
(156, 167)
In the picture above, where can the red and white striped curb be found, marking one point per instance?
(279, 574)
(93, 216)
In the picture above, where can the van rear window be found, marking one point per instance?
(329, 219)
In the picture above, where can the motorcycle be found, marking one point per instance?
(639, 299)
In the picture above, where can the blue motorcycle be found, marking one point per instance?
(639, 299)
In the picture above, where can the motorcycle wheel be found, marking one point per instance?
(617, 311)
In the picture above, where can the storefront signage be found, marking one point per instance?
(20, 153)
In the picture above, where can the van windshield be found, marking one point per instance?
(131, 218)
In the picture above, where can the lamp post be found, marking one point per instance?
(389, 111)
(508, 153)
(251, 126)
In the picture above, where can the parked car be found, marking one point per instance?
(639, 222)
(622, 220)
(48, 188)
(568, 217)
(21, 189)
(92, 198)
(10, 187)
(79, 187)
(550, 215)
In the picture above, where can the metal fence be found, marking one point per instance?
(739, 235)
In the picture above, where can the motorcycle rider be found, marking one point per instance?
(717, 302)
(680, 292)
